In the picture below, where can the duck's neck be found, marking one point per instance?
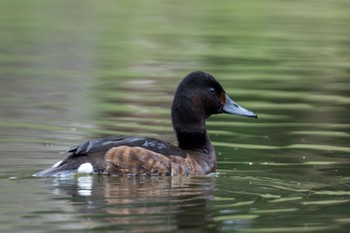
(193, 140)
(190, 130)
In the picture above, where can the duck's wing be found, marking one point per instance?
(92, 153)
(105, 144)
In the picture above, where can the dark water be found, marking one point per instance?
(73, 70)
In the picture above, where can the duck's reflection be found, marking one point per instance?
(142, 204)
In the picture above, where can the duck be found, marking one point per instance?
(198, 96)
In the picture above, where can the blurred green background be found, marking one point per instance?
(75, 70)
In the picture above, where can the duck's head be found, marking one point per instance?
(197, 97)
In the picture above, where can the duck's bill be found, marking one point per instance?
(231, 107)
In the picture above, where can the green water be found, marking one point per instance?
(75, 70)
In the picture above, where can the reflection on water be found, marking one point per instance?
(191, 204)
(140, 204)
(73, 71)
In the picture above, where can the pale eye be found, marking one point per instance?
(212, 90)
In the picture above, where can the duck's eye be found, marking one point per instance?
(212, 90)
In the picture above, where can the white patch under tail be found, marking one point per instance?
(85, 168)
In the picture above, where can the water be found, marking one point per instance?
(72, 71)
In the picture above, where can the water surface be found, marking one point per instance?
(72, 71)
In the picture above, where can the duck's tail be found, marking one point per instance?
(59, 170)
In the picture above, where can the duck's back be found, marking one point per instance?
(117, 155)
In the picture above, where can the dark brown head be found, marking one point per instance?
(197, 97)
